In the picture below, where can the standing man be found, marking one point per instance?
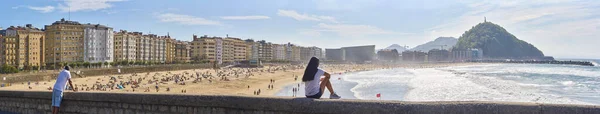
(59, 87)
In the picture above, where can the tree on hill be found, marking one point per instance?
(496, 42)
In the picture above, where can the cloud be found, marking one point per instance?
(253, 17)
(349, 30)
(185, 19)
(86, 5)
(110, 11)
(43, 9)
(305, 17)
(340, 5)
(312, 33)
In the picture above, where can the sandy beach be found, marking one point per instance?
(225, 81)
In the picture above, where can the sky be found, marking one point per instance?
(560, 28)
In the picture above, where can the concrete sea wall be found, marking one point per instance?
(128, 103)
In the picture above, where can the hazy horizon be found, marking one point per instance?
(560, 28)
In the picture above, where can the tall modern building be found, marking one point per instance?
(335, 54)
(98, 43)
(125, 46)
(357, 54)
(23, 47)
(64, 42)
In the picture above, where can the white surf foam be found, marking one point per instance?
(437, 85)
(389, 82)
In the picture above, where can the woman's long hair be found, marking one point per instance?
(311, 69)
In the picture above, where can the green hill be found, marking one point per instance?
(496, 42)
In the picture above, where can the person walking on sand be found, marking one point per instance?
(59, 87)
(312, 77)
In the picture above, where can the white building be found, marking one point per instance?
(316, 52)
(160, 49)
(143, 48)
(219, 50)
(98, 43)
(279, 51)
(288, 51)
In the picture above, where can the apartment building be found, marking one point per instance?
(170, 49)
(160, 49)
(142, 47)
(279, 52)
(265, 51)
(237, 49)
(217, 49)
(98, 43)
(23, 47)
(2, 48)
(251, 49)
(64, 42)
(182, 52)
(125, 46)
(203, 48)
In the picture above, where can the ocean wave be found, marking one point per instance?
(438, 85)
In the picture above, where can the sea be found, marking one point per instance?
(537, 83)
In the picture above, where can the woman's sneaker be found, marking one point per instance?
(334, 96)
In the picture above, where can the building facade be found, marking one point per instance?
(265, 50)
(125, 46)
(466, 54)
(182, 52)
(240, 49)
(438, 55)
(219, 50)
(359, 54)
(388, 55)
(305, 53)
(251, 50)
(142, 47)
(315, 52)
(98, 44)
(414, 56)
(23, 47)
(64, 42)
(279, 52)
(335, 54)
(2, 48)
(170, 45)
(160, 46)
(203, 49)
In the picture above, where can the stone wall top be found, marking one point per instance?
(305, 105)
